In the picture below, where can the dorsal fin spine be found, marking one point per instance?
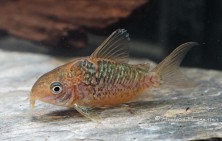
(114, 47)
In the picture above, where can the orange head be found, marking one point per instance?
(55, 87)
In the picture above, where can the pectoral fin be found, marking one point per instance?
(88, 113)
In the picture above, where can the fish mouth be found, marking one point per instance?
(32, 101)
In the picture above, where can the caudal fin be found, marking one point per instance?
(168, 72)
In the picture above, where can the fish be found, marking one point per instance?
(106, 79)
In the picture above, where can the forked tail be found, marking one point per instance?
(167, 72)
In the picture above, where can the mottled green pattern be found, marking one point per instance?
(104, 79)
(117, 73)
(88, 70)
(110, 72)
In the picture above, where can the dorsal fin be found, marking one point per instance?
(114, 47)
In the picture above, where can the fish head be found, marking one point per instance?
(55, 87)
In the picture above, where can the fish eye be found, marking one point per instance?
(56, 87)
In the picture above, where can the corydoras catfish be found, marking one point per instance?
(105, 78)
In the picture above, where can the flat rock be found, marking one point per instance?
(160, 114)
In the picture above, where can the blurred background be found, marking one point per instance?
(71, 28)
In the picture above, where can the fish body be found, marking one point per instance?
(104, 82)
(105, 78)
